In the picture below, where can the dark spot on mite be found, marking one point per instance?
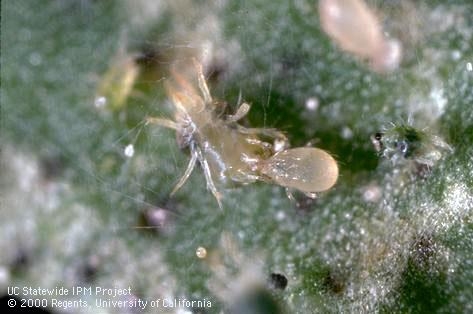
(376, 141)
(277, 281)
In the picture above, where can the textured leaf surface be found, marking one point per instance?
(384, 239)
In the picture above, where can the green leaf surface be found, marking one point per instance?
(86, 183)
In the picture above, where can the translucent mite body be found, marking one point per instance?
(356, 29)
(404, 143)
(229, 152)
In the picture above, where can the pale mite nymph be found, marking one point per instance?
(356, 29)
(230, 153)
(404, 144)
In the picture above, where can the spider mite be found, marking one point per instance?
(356, 29)
(230, 153)
(403, 143)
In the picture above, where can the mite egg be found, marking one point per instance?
(356, 29)
(306, 169)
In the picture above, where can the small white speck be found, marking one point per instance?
(280, 215)
(100, 102)
(312, 103)
(129, 150)
(347, 133)
(469, 67)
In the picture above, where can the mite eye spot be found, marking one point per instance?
(376, 140)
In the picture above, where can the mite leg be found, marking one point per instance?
(186, 174)
(183, 85)
(202, 84)
(162, 122)
(290, 195)
(207, 173)
(303, 203)
(438, 142)
(271, 133)
(280, 141)
(240, 113)
(244, 178)
(311, 195)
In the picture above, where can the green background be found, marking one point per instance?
(75, 211)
